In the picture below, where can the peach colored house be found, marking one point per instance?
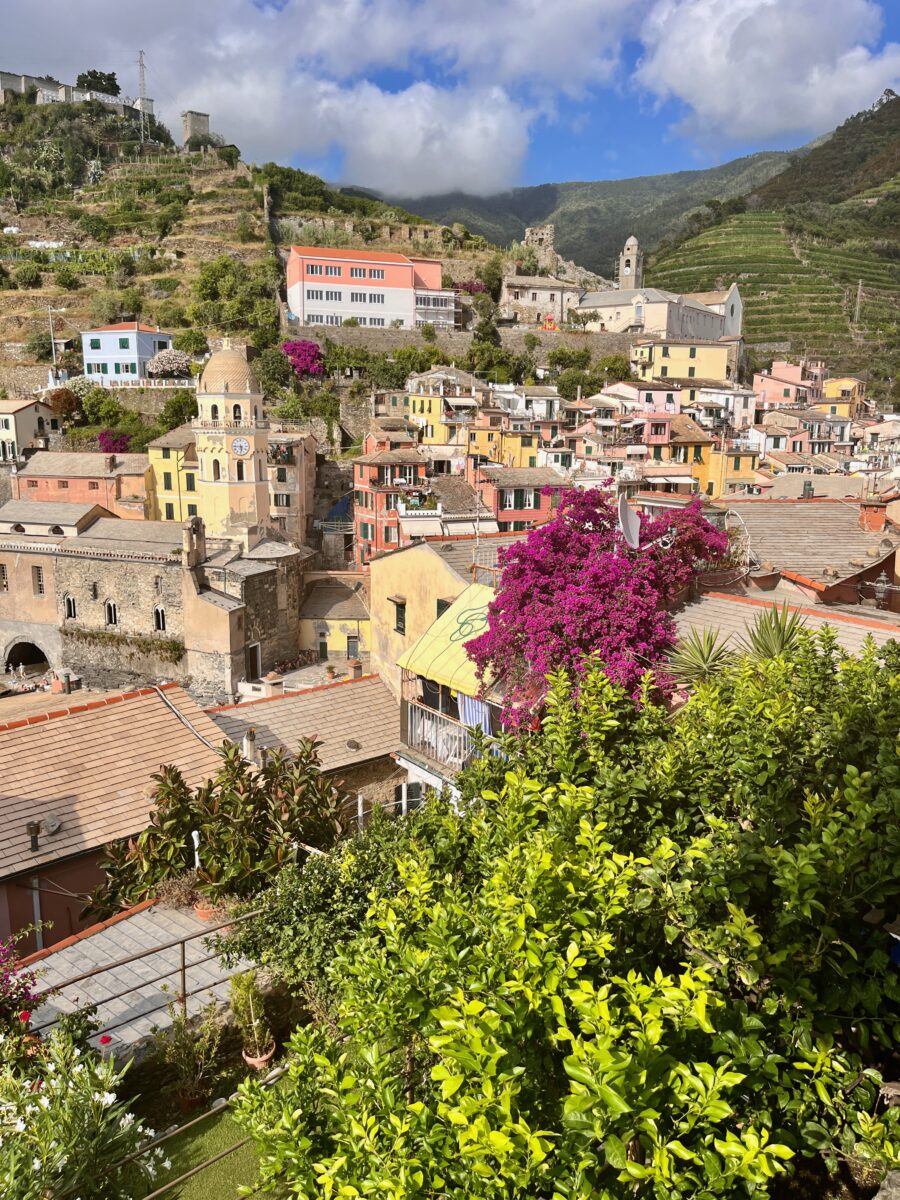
(790, 385)
(118, 482)
(376, 288)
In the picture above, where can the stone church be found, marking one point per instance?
(207, 604)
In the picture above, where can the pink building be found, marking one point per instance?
(373, 287)
(790, 385)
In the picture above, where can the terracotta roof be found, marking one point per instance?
(334, 600)
(359, 711)
(83, 464)
(390, 456)
(89, 764)
(804, 537)
(731, 616)
(133, 326)
(374, 256)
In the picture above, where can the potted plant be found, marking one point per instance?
(190, 1049)
(331, 671)
(248, 1009)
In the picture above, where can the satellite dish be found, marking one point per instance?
(629, 523)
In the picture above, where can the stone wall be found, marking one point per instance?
(374, 781)
(114, 663)
(456, 343)
(135, 587)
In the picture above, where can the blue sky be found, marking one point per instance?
(418, 96)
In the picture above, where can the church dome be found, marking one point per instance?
(227, 371)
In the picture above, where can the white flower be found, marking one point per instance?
(107, 1099)
(78, 1068)
(36, 1165)
(44, 1102)
(167, 1164)
(20, 1126)
(127, 1121)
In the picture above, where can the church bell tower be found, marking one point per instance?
(631, 265)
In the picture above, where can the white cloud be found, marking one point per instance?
(749, 70)
(416, 96)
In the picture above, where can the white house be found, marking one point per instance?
(21, 423)
(739, 403)
(653, 312)
(121, 351)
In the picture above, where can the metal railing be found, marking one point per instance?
(445, 741)
(179, 969)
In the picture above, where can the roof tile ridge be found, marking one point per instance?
(320, 687)
(803, 608)
(98, 927)
(86, 706)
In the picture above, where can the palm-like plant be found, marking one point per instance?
(775, 631)
(700, 656)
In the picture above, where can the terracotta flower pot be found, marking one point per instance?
(259, 1064)
(205, 910)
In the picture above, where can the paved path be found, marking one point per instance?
(129, 1019)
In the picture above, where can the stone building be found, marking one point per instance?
(538, 299)
(194, 124)
(121, 603)
(541, 238)
(630, 267)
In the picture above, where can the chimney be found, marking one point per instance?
(248, 746)
(356, 669)
(110, 463)
(872, 515)
(808, 490)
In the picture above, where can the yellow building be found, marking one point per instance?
(334, 616)
(508, 447)
(843, 397)
(689, 444)
(682, 361)
(732, 469)
(172, 493)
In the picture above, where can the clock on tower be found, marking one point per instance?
(240, 446)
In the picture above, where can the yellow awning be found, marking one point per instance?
(440, 653)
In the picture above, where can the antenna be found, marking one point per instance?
(142, 87)
(629, 523)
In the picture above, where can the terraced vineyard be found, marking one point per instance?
(795, 291)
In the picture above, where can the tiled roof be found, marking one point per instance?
(359, 711)
(789, 486)
(521, 476)
(804, 537)
(14, 404)
(461, 553)
(732, 615)
(89, 764)
(544, 281)
(455, 496)
(179, 437)
(386, 457)
(47, 512)
(83, 464)
(111, 532)
(685, 429)
(334, 600)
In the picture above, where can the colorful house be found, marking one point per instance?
(844, 396)
(120, 352)
(118, 482)
(378, 288)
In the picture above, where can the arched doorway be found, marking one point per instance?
(27, 655)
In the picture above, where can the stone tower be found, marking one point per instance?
(541, 238)
(193, 124)
(232, 446)
(631, 265)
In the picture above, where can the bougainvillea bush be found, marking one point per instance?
(19, 995)
(305, 358)
(111, 442)
(573, 590)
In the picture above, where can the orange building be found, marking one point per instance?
(118, 482)
(369, 287)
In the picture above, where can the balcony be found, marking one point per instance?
(230, 426)
(431, 508)
(446, 743)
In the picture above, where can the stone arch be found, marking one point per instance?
(25, 651)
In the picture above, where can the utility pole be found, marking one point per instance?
(142, 86)
(858, 303)
(52, 339)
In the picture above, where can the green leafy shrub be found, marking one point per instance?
(27, 275)
(68, 278)
(39, 345)
(664, 969)
(249, 1011)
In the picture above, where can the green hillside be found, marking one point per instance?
(594, 218)
(815, 241)
(798, 290)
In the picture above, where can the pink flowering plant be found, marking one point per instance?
(573, 593)
(19, 996)
(111, 442)
(305, 358)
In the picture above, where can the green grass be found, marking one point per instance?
(219, 1181)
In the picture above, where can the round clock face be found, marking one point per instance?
(240, 446)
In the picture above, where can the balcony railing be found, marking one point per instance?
(446, 742)
(230, 426)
